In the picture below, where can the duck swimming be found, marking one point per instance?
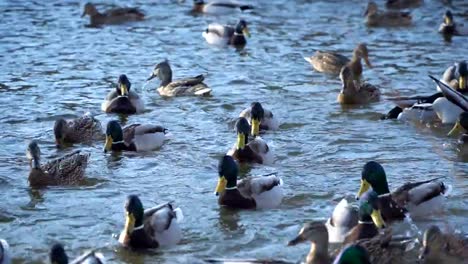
(122, 100)
(151, 228)
(181, 87)
(252, 192)
(113, 16)
(353, 92)
(82, 129)
(331, 62)
(439, 247)
(450, 28)
(222, 35)
(218, 7)
(401, 4)
(268, 122)
(136, 137)
(57, 255)
(376, 18)
(66, 170)
(343, 219)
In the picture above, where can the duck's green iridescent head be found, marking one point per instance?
(461, 125)
(123, 87)
(353, 254)
(114, 134)
(241, 28)
(373, 176)
(133, 214)
(448, 18)
(257, 113)
(462, 70)
(227, 172)
(369, 209)
(243, 130)
(57, 255)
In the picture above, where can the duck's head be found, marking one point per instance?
(461, 125)
(34, 154)
(123, 85)
(57, 255)
(362, 52)
(227, 172)
(373, 176)
(315, 232)
(462, 70)
(353, 254)
(448, 18)
(243, 130)
(60, 128)
(89, 9)
(133, 214)
(162, 70)
(114, 134)
(369, 209)
(371, 9)
(257, 113)
(433, 243)
(241, 28)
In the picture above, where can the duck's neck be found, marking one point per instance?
(166, 78)
(35, 163)
(318, 252)
(381, 188)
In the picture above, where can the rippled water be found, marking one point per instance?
(52, 65)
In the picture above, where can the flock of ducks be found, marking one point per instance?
(361, 230)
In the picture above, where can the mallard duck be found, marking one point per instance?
(400, 4)
(122, 100)
(317, 234)
(344, 218)
(57, 255)
(221, 35)
(419, 198)
(113, 16)
(438, 247)
(267, 122)
(449, 27)
(151, 228)
(331, 62)
(461, 126)
(252, 192)
(5, 255)
(82, 129)
(354, 254)
(136, 137)
(66, 170)
(374, 18)
(253, 151)
(218, 7)
(181, 87)
(353, 92)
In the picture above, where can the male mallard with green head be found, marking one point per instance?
(450, 28)
(181, 87)
(268, 121)
(218, 7)
(222, 35)
(82, 129)
(151, 228)
(57, 255)
(122, 100)
(113, 16)
(136, 137)
(66, 170)
(252, 192)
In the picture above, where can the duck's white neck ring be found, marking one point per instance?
(238, 34)
(138, 227)
(231, 188)
(365, 222)
(118, 142)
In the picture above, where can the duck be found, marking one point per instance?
(450, 28)
(402, 4)
(5, 254)
(353, 92)
(152, 228)
(218, 7)
(135, 137)
(343, 219)
(461, 126)
(264, 192)
(268, 122)
(331, 62)
(122, 100)
(376, 18)
(382, 248)
(439, 247)
(418, 198)
(250, 151)
(181, 87)
(66, 170)
(82, 129)
(113, 16)
(57, 255)
(223, 35)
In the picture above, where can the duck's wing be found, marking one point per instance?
(222, 31)
(90, 257)
(344, 215)
(397, 15)
(452, 95)
(418, 192)
(161, 216)
(86, 126)
(449, 74)
(187, 82)
(124, 11)
(257, 185)
(68, 168)
(390, 209)
(131, 131)
(231, 4)
(331, 58)
(111, 95)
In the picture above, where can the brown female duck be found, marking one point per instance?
(353, 92)
(113, 16)
(82, 129)
(376, 18)
(439, 247)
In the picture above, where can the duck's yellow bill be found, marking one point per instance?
(246, 32)
(221, 186)
(448, 21)
(240, 141)
(457, 128)
(462, 82)
(123, 89)
(129, 223)
(255, 130)
(108, 144)
(377, 219)
(365, 185)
